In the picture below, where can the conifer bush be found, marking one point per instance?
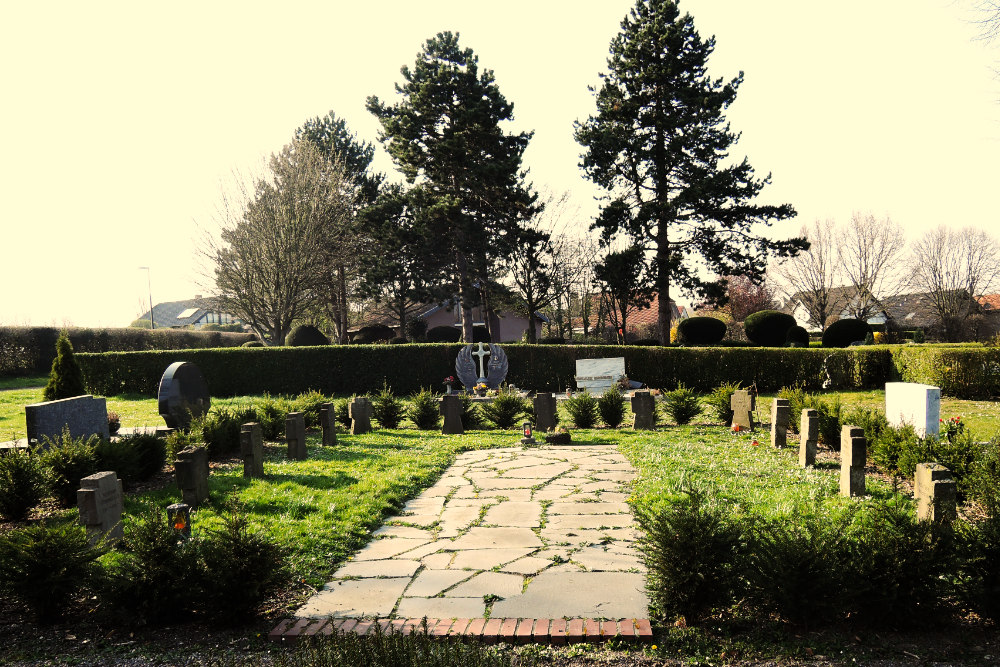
(309, 403)
(582, 409)
(66, 377)
(424, 411)
(472, 418)
(978, 572)
(220, 429)
(701, 331)
(506, 410)
(681, 405)
(22, 484)
(611, 405)
(120, 457)
(387, 409)
(719, 401)
(768, 328)
(66, 461)
(844, 332)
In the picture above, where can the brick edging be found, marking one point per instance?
(490, 631)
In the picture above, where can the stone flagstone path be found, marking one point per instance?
(532, 533)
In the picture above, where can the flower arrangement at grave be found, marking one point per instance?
(447, 383)
(481, 389)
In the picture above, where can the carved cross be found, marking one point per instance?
(482, 354)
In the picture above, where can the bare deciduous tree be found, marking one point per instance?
(811, 277)
(268, 256)
(746, 297)
(871, 257)
(955, 268)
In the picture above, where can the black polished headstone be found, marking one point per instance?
(183, 395)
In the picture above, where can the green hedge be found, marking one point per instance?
(30, 350)
(962, 371)
(407, 368)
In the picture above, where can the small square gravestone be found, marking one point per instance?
(328, 422)
(916, 404)
(780, 412)
(936, 493)
(808, 437)
(743, 403)
(252, 449)
(99, 500)
(450, 407)
(295, 435)
(191, 475)
(544, 404)
(853, 458)
(644, 409)
(360, 412)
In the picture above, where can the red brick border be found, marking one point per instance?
(554, 631)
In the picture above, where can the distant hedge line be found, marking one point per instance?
(30, 350)
(350, 369)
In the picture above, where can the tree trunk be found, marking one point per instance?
(464, 292)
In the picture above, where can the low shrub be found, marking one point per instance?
(983, 482)
(506, 410)
(45, 567)
(829, 413)
(220, 429)
(120, 457)
(978, 572)
(472, 418)
(444, 335)
(344, 413)
(424, 411)
(66, 461)
(694, 556)
(270, 412)
(22, 484)
(844, 332)
(701, 331)
(719, 402)
(768, 328)
(582, 409)
(797, 337)
(897, 451)
(646, 342)
(611, 406)
(150, 452)
(872, 420)
(387, 409)
(305, 335)
(681, 405)
(309, 403)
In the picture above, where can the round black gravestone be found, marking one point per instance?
(183, 395)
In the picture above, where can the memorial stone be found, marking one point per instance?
(360, 412)
(252, 449)
(936, 493)
(295, 436)
(644, 409)
(808, 437)
(450, 407)
(191, 475)
(328, 421)
(853, 458)
(598, 375)
(544, 404)
(183, 395)
(916, 404)
(780, 412)
(99, 500)
(743, 403)
(84, 416)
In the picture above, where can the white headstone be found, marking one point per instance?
(597, 375)
(915, 404)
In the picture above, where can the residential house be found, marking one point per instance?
(507, 326)
(195, 313)
(641, 322)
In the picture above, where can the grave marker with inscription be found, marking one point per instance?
(252, 449)
(644, 409)
(853, 457)
(328, 422)
(183, 395)
(743, 403)
(450, 407)
(99, 500)
(780, 412)
(84, 416)
(916, 404)
(191, 475)
(808, 437)
(544, 404)
(360, 412)
(598, 375)
(295, 436)
(936, 493)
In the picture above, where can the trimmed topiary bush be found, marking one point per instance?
(768, 328)
(66, 377)
(700, 331)
(797, 337)
(253, 343)
(844, 332)
(305, 335)
(376, 333)
(444, 335)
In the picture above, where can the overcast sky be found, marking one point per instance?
(121, 121)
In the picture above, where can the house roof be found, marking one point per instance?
(990, 301)
(914, 309)
(382, 316)
(636, 316)
(181, 313)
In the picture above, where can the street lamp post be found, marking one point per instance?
(152, 322)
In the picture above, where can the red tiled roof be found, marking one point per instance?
(990, 301)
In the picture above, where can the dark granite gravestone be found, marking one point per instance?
(743, 403)
(84, 416)
(545, 411)
(99, 500)
(328, 422)
(295, 435)
(191, 475)
(360, 412)
(450, 406)
(252, 449)
(183, 395)
(780, 412)
(491, 373)
(644, 409)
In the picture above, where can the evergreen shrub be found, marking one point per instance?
(66, 377)
(701, 331)
(978, 572)
(121, 458)
(416, 330)
(344, 413)
(376, 333)
(681, 405)
(270, 412)
(444, 335)
(719, 402)
(611, 405)
(387, 409)
(150, 454)
(768, 328)
(220, 429)
(472, 418)
(253, 343)
(67, 460)
(309, 403)
(797, 337)
(506, 410)
(582, 409)
(424, 411)
(305, 335)
(22, 484)
(844, 332)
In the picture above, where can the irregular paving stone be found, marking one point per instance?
(441, 608)
(486, 583)
(358, 597)
(431, 582)
(403, 532)
(387, 548)
(527, 565)
(496, 538)
(596, 558)
(589, 521)
(438, 561)
(485, 559)
(517, 514)
(378, 568)
(539, 472)
(592, 594)
(589, 508)
(503, 483)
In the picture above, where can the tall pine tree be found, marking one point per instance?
(468, 191)
(659, 145)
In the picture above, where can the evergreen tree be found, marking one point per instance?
(659, 144)
(66, 377)
(468, 191)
